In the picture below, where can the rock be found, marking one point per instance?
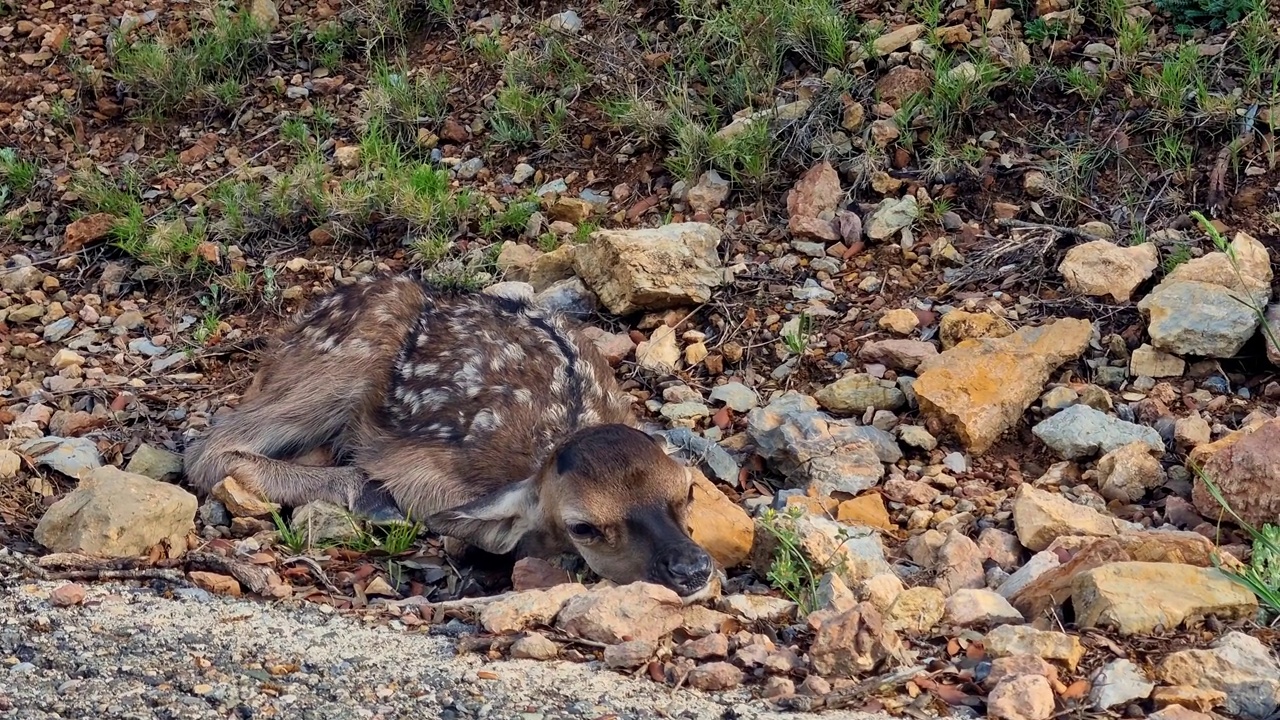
(651, 269)
(522, 173)
(854, 393)
(523, 610)
(319, 521)
(534, 646)
(1015, 665)
(347, 156)
(757, 608)
(1040, 517)
(1128, 472)
(958, 326)
(1080, 432)
(777, 687)
(515, 259)
(815, 451)
(1252, 280)
(879, 590)
(73, 457)
(959, 564)
(719, 524)
(10, 464)
(892, 215)
(1053, 586)
(1242, 465)
(898, 354)
(854, 643)
(901, 82)
(637, 611)
(216, 583)
(981, 387)
(1000, 547)
(660, 353)
(68, 595)
(1193, 318)
(1119, 682)
(1008, 640)
(532, 573)
(1146, 361)
(1191, 431)
(629, 655)
(980, 608)
(866, 510)
(155, 463)
(1236, 664)
(567, 21)
(1185, 696)
(701, 621)
(1024, 697)
(1103, 268)
(570, 297)
(240, 501)
(853, 553)
(710, 192)
(715, 676)
(550, 268)
(735, 396)
(900, 321)
(811, 204)
(265, 13)
(113, 513)
(1138, 597)
(86, 230)
(615, 347)
(1177, 712)
(897, 39)
(917, 437)
(21, 279)
(916, 610)
(715, 645)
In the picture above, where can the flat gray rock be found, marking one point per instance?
(1080, 431)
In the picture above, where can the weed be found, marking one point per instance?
(16, 175)
(960, 92)
(1172, 152)
(489, 47)
(1039, 30)
(795, 334)
(1076, 79)
(292, 539)
(400, 102)
(789, 571)
(167, 77)
(1188, 15)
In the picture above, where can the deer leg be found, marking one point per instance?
(290, 417)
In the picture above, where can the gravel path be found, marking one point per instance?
(130, 653)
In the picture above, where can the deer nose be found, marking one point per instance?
(686, 568)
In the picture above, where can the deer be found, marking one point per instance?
(493, 421)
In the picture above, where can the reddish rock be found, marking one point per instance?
(88, 229)
(67, 595)
(901, 83)
(853, 643)
(715, 676)
(532, 573)
(811, 204)
(1243, 465)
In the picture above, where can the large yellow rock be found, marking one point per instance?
(981, 387)
(719, 524)
(1138, 597)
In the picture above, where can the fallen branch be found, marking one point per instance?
(837, 699)
(1076, 233)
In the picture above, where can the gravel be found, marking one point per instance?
(130, 652)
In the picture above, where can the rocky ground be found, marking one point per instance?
(962, 311)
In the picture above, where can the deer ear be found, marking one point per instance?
(495, 522)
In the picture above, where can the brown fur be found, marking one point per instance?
(493, 421)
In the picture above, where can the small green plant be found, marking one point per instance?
(795, 334)
(1039, 30)
(1188, 15)
(790, 571)
(17, 176)
(401, 102)
(168, 77)
(1077, 80)
(292, 539)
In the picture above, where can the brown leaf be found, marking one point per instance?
(1077, 689)
(486, 675)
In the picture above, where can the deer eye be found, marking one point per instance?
(584, 531)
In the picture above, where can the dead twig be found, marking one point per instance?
(1076, 233)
